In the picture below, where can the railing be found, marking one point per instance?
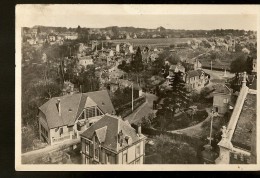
(65, 137)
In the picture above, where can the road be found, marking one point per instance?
(144, 110)
(30, 156)
(214, 74)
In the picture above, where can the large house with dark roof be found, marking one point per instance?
(196, 79)
(65, 117)
(112, 141)
(238, 143)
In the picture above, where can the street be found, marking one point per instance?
(144, 110)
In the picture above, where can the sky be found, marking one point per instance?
(146, 16)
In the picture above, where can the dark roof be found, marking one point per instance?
(221, 88)
(244, 133)
(72, 106)
(107, 130)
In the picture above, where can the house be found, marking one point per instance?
(154, 57)
(85, 61)
(196, 79)
(222, 96)
(65, 117)
(52, 37)
(238, 143)
(112, 141)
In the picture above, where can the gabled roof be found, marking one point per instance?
(101, 134)
(107, 130)
(72, 106)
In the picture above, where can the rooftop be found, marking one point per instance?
(107, 130)
(244, 133)
(72, 106)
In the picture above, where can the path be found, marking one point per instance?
(144, 110)
(30, 156)
(195, 129)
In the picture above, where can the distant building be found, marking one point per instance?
(52, 37)
(196, 79)
(238, 143)
(112, 141)
(221, 98)
(85, 61)
(65, 117)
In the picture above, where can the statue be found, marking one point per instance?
(224, 132)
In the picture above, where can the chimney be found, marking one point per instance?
(59, 107)
(244, 80)
(139, 129)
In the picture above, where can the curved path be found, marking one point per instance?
(194, 130)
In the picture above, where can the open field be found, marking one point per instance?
(163, 42)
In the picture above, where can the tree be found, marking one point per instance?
(174, 152)
(239, 64)
(137, 63)
(175, 99)
(115, 31)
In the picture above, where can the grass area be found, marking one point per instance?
(185, 120)
(153, 41)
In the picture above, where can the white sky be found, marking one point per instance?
(148, 16)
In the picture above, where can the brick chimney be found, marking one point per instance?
(59, 107)
(244, 79)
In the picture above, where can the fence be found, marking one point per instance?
(126, 109)
(54, 140)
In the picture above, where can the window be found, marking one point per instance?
(61, 130)
(87, 147)
(125, 158)
(137, 151)
(82, 115)
(225, 101)
(108, 158)
(70, 128)
(90, 112)
(99, 113)
(97, 153)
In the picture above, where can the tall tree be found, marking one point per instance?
(174, 99)
(137, 63)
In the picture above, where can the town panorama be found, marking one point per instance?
(129, 95)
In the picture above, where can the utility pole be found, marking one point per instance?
(211, 65)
